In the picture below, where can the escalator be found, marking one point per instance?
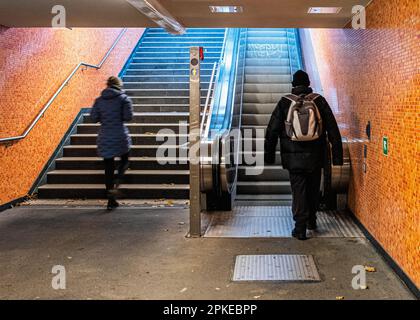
(255, 72)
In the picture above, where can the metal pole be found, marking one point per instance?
(194, 143)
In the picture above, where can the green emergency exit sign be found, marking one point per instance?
(385, 145)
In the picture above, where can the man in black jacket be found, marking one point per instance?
(303, 160)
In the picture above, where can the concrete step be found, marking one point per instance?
(138, 139)
(173, 49)
(131, 177)
(166, 72)
(137, 128)
(161, 85)
(164, 99)
(162, 78)
(174, 60)
(166, 66)
(190, 35)
(145, 163)
(152, 117)
(136, 151)
(188, 38)
(161, 93)
(162, 108)
(171, 54)
(128, 191)
(182, 44)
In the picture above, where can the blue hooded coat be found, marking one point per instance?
(112, 109)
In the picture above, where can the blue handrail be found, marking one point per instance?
(223, 99)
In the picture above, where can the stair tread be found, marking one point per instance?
(132, 135)
(136, 124)
(134, 146)
(152, 114)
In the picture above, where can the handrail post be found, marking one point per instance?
(195, 144)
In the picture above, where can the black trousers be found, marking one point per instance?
(110, 170)
(305, 192)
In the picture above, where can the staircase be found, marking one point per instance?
(157, 79)
(267, 78)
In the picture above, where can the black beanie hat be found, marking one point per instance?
(301, 78)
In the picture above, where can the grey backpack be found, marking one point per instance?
(304, 122)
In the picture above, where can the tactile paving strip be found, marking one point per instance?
(275, 268)
(277, 222)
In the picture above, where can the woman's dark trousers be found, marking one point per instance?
(110, 169)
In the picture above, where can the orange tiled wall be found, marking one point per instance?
(373, 75)
(33, 64)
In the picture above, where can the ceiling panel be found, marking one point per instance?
(191, 13)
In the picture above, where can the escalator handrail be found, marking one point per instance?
(224, 84)
(207, 116)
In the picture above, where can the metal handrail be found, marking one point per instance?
(49, 103)
(206, 112)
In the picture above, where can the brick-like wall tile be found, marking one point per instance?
(33, 64)
(374, 75)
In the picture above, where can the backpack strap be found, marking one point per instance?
(312, 96)
(292, 97)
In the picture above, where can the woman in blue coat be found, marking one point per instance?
(112, 109)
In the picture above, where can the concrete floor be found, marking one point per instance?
(144, 254)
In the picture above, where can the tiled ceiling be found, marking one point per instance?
(190, 13)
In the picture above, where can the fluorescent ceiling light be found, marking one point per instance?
(324, 10)
(226, 9)
(158, 14)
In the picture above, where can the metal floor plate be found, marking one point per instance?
(275, 268)
(276, 222)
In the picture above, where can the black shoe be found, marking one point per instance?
(112, 204)
(312, 225)
(300, 235)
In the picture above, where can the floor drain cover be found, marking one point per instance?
(275, 268)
